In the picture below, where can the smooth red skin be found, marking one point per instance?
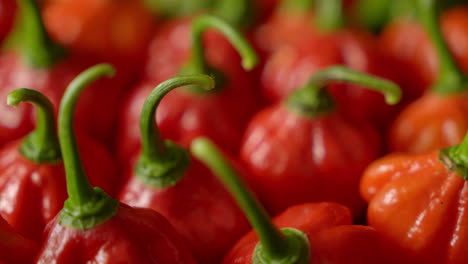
(320, 159)
(7, 13)
(13, 247)
(29, 190)
(290, 67)
(110, 29)
(133, 235)
(182, 115)
(199, 208)
(419, 205)
(332, 238)
(418, 54)
(96, 109)
(432, 122)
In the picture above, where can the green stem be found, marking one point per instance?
(329, 15)
(455, 158)
(239, 13)
(297, 5)
(37, 47)
(198, 64)
(450, 79)
(162, 163)
(313, 100)
(86, 206)
(286, 246)
(42, 144)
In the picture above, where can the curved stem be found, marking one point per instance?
(450, 79)
(275, 244)
(153, 144)
(201, 24)
(42, 144)
(37, 47)
(329, 14)
(79, 189)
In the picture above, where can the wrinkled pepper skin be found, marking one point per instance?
(289, 68)
(199, 208)
(96, 117)
(413, 132)
(133, 235)
(332, 237)
(15, 248)
(321, 159)
(7, 13)
(182, 116)
(30, 190)
(419, 205)
(108, 29)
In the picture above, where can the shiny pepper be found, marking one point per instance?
(15, 248)
(304, 149)
(92, 227)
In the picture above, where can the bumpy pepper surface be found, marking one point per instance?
(305, 150)
(92, 226)
(438, 119)
(311, 233)
(188, 113)
(165, 178)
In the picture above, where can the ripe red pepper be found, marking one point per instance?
(7, 13)
(305, 150)
(166, 179)
(42, 65)
(116, 30)
(15, 248)
(328, 43)
(315, 233)
(92, 227)
(188, 113)
(32, 178)
(439, 118)
(418, 202)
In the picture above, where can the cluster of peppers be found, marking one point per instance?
(161, 131)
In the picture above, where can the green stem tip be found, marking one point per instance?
(86, 206)
(42, 144)
(162, 163)
(286, 246)
(450, 79)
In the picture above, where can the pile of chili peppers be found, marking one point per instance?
(234, 131)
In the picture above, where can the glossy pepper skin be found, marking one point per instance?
(418, 202)
(291, 63)
(316, 233)
(185, 114)
(15, 248)
(32, 177)
(165, 178)
(92, 227)
(322, 152)
(438, 118)
(40, 64)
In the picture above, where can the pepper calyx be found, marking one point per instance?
(298, 251)
(311, 101)
(166, 171)
(455, 160)
(100, 208)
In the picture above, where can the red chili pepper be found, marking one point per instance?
(328, 43)
(437, 119)
(166, 179)
(305, 150)
(42, 65)
(32, 178)
(310, 233)
(118, 30)
(92, 227)
(184, 115)
(15, 248)
(418, 202)
(7, 13)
